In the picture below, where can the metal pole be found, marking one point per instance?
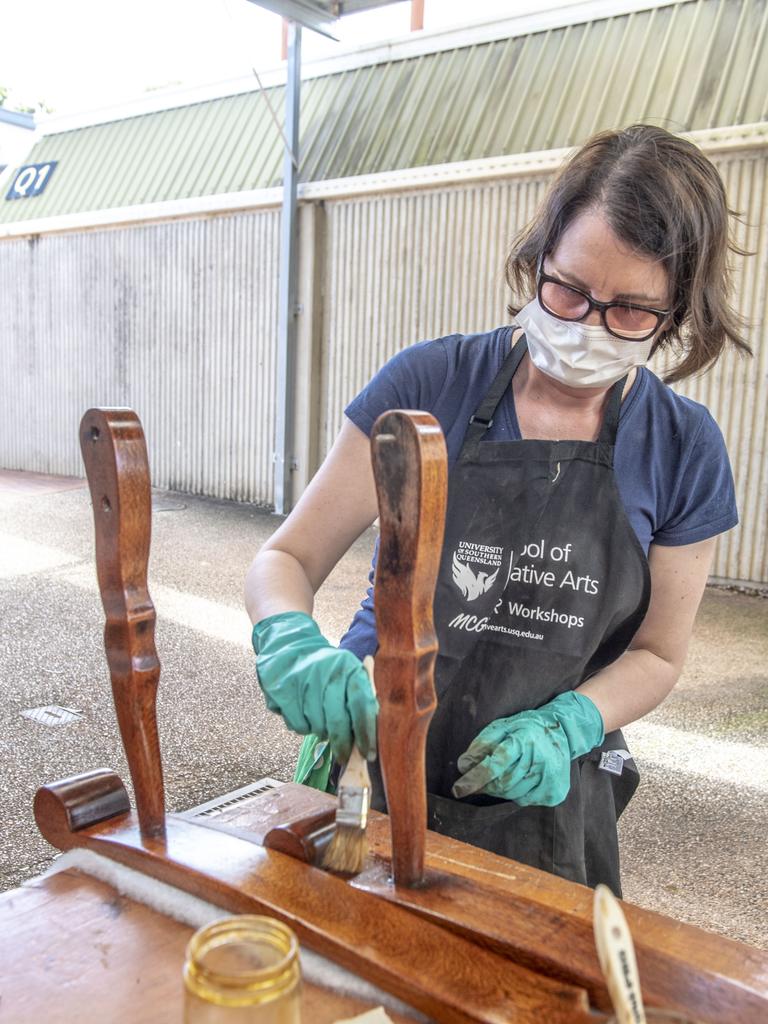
(287, 311)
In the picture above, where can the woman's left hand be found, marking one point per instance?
(527, 757)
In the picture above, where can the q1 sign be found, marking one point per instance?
(30, 180)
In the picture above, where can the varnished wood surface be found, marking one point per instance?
(74, 951)
(443, 975)
(305, 840)
(545, 922)
(410, 470)
(85, 799)
(531, 917)
(115, 457)
(681, 966)
(559, 946)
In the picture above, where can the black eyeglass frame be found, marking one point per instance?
(542, 278)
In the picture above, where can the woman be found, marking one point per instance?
(585, 497)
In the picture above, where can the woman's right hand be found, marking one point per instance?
(316, 687)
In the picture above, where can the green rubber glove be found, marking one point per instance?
(527, 757)
(316, 687)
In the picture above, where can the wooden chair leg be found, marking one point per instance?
(115, 457)
(410, 469)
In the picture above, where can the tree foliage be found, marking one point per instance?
(41, 107)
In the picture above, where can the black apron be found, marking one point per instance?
(542, 583)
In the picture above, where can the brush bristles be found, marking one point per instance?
(348, 848)
(347, 851)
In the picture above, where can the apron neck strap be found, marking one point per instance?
(482, 419)
(611, 414)
(483, 415)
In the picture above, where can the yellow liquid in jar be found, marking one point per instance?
(243, 970)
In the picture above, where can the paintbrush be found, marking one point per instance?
(347, 850)
(616, 953)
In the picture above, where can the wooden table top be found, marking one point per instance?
(73, 949)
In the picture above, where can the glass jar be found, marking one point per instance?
(243, 970)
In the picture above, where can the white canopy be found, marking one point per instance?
(319, 15)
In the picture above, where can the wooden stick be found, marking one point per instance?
(115, 457)
(409, 464)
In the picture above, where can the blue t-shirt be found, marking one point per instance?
(670, 462)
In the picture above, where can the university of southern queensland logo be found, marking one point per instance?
(471, 581)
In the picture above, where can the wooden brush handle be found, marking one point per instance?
(115, 457)
(616, 953)
(410, 469)
(356, 770)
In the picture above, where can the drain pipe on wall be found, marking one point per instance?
(284, 457)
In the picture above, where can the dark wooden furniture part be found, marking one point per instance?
(460, 934)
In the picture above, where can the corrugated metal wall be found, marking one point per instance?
(179, 321)
(402, 268)
(176, 320)
(736, 391)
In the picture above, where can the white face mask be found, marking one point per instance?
(580, 355)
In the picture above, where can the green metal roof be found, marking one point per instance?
(688, 65)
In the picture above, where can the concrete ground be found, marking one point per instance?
(693, 840)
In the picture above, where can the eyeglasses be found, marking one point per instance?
(621, 319)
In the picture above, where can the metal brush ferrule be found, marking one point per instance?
(354, 803)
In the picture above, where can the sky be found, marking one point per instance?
(78, 55)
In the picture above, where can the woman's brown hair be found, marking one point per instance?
(664, 199)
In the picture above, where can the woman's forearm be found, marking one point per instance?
(641, 678)
(337, 506)
(277, 582)
(633, 685)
